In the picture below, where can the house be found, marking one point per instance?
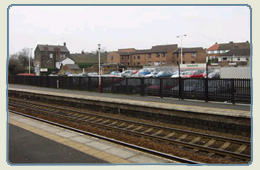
(69, 69)
(64, 61)
(226, 53)
(46, 57)
(160, 55)
(189, 56)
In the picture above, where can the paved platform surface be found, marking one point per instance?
(32, 141)
(170, 104)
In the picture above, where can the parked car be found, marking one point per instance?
(163, 74)
(214, 74)
(142, 72)
(175, 74)
(126, 73)
(114, 74)
(194, 74)
(93, 74)
(152, 74)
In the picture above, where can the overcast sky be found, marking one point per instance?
(115, 27)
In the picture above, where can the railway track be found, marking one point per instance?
(207, 145)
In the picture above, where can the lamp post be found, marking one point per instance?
(180, 36)
(30, 61)
(99, 71)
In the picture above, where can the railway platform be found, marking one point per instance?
(35, 142)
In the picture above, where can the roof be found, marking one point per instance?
(154, 49)
(188, 50)
(237, 52)
(47, 47)
(72, 66)
(164, 48)
(62, 59)
(229, 46)
(88, 58)
(232, 45)
(213, 47)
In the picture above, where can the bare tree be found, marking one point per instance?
(19, 62)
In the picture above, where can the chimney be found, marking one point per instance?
(64, 44)
(231, 42)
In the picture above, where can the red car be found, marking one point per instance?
(194, 74)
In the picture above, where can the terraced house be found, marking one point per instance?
(226, 53)
(160, 55)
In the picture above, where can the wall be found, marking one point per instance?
(235, 72)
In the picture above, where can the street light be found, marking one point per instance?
(99, 71)
(180, 36)
(30, 61)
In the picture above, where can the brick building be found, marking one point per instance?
(160, 55)
(46, 56)
(189, 56)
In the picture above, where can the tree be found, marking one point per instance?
(19, 62)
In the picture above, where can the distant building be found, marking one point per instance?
(226, 53)
(160, 55)
(189, 56)
(69, 69)
(46, 56)
(64, 61)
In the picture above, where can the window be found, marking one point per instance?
(157, 63)
(128, 64)
(163, 54)
(163, 63)
(134, 57)
(138, 63)
(212, 57)
(122, 57)
(138, 57)
(238, 58)
(158, 54)
(149, 55)
(183, 54)
(112, 57)
(193, 54)
(149, 63)
(51, 55)
(192, 62)
(225, 58)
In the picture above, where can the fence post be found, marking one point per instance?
(206, 89)
(101, 84)
(142, 87)
(113, 85)
(161, 88)
(89, 83)
(180, 88)
(126, 84)
(232, 91)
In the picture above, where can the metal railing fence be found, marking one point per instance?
(221, 90)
